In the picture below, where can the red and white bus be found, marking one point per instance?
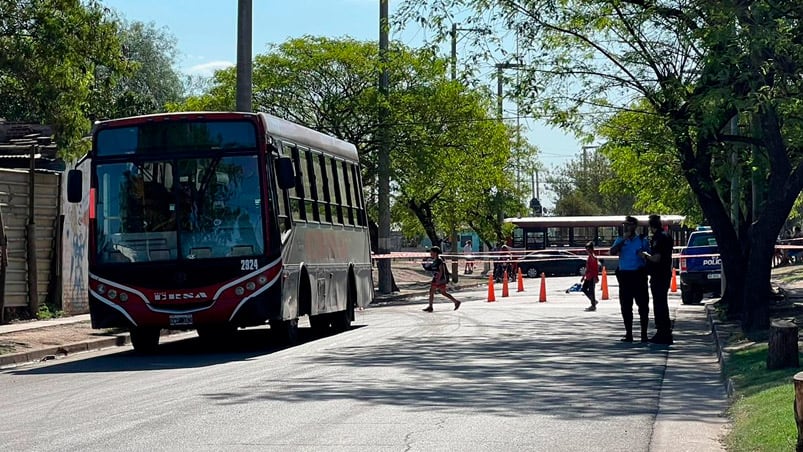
(214, 221)
(537, 233)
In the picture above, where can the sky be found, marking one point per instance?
(206, 38)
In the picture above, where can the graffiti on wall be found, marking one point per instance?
(75, 272)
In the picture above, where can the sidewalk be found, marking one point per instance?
(36, 324)
(692, 408)
(83, 339)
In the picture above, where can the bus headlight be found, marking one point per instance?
(239, 290)
(262, 280)
(101, 289)
(250, 285)
(123, 297)
(112, 294)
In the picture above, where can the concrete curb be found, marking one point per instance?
(91, 345)
(48, 353)
(710, 312)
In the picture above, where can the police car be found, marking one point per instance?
(700, 275)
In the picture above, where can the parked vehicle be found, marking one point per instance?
(552, 262)
(700, 275)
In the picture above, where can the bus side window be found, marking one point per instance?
(310, 190)
(324, 209)
(297, 193)
(346, 187)
(335, 191)
(358, 201)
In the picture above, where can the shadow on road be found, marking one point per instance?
(179, 354)
(530, 369)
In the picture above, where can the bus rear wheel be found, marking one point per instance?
(285, 331)
(341, 321)
(145, 340)
(320, 324)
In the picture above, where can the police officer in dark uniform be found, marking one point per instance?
(632, 276)
(659, 267)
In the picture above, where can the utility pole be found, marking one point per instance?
(735, 182)
(500, 85)
(454, 52)
(453, 35)
(735, 187)
(383, 170)
(453, 61)
(244, 30)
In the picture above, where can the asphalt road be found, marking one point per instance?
(512, 375)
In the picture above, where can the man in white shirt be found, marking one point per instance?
(467, 250)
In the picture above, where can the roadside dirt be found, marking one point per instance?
(20, 341)
(408, 275)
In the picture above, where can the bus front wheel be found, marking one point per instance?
(145, 340)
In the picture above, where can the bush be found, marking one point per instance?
(48, 311)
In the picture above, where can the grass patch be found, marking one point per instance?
(47, 311)
(763, 418)
(790, 277)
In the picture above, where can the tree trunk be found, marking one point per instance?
(755, 298)
(783, 350)
(424, 214)
(735, 281)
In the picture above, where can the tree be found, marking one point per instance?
(49, 50)
(152, 81)
(704, 69)
(447, 152)
(642, 162)
(579, 184)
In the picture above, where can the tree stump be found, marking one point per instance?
(783, 350)
(798, 379)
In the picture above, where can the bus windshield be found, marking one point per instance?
(194, 208)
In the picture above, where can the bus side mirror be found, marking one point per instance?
(285, 174)
(75, 186)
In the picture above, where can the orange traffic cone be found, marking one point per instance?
(605, 284)
(491, 295)
(542, 297)
(521, 282)
(505, 292)
(674, 286)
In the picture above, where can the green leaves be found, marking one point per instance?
(66, 62)
(49, 50)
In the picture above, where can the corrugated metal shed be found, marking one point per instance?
(17, 143)
(14, 204)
